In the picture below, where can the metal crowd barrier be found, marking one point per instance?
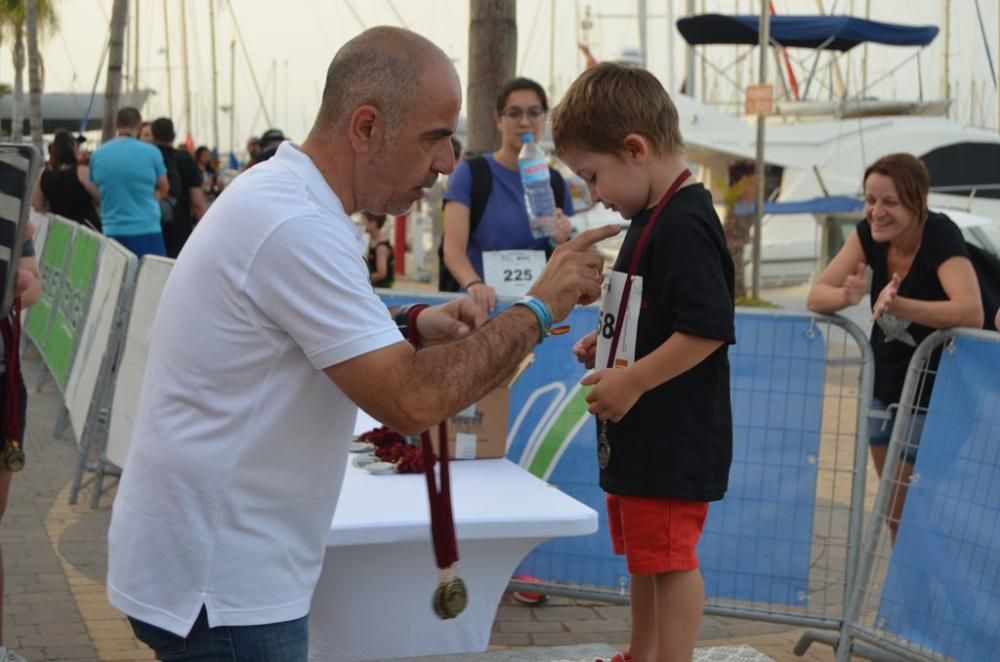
(934, 593)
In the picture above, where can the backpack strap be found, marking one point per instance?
(482, 186)
(558, 187)
(479, 194)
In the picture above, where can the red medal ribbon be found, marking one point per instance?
(10, 327)
(634, 265)
(442, 519)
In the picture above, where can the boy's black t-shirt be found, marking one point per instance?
(676, 441)
(941, 240)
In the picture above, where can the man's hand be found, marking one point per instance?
(585, 349)
(613, 395)
(574, 274)
(886, 298)
(449, 321)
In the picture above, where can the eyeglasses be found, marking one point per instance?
(515, 113)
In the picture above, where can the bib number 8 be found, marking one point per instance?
(606, 326)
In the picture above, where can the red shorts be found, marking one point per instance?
(656, 534)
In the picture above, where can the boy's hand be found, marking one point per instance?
(613, 395)
(585, 349)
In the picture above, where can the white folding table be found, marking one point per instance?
(373, 600)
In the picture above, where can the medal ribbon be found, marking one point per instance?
(634, 265)
(10, 327)
(442, 519)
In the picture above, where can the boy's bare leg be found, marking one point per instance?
(642, 643)
(680, 599)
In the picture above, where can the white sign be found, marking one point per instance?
(512, 273)
(613, 288)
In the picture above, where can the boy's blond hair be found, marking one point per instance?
(610, 101)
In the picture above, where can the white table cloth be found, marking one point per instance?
(373, 600)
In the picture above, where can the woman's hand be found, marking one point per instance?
(855, 285)
(561, 227)
(886, 297)
(484, 295)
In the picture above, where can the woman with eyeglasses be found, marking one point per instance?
(503, 226)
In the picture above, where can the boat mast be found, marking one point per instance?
(643, 35)
(166, 50)
(186, 78)
(215, 77)
(946, 74)
(764, 33)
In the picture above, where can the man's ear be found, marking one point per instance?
(636, 147)
(365, 128)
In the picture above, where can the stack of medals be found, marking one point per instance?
(450, 597)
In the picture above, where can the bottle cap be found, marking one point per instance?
(528, 137)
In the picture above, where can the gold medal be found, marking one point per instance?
(13, 456)
(603, 446)
(450, 599)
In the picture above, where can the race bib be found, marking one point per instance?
(512, 273)
(612, 289)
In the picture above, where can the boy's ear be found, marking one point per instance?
(636, 147)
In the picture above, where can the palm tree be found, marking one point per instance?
(13, 17)
(113, 88)
(34, 73)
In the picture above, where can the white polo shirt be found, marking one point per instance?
(240, 439)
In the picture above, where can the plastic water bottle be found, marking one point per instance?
(538, 198)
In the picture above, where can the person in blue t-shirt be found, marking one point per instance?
(521, 108)
(131, 177)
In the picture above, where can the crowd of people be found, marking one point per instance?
(141, 188)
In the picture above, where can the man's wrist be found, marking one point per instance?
(541, 312)
(405, 318)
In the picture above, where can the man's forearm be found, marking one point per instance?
(445, 379)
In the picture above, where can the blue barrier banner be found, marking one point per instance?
(942, 589)
(757, 540)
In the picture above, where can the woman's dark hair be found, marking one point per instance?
(910, 177)
(378, 219)
(63, 148)
(516, 84)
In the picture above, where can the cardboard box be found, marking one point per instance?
(480, 430)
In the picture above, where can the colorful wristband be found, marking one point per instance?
(406, 320)
(541, 311)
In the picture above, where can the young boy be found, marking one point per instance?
(664, 420)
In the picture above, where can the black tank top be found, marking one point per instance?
(68, 198)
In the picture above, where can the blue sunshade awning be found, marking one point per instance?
(834, 204)
(839, 33)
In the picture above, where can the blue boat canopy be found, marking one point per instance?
(834, 204)
(839, 33)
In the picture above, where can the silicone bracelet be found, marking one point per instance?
(541, 312)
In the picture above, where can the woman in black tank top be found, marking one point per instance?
(65, 188)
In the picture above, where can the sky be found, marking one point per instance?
(289, 44)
